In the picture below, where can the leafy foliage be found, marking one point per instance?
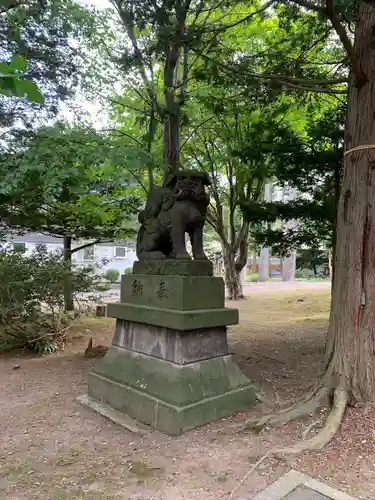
(41, 41)
(13, 80)
(112, 275)
(314, 260)
(313, 164)
(32, 298)
(62, 181)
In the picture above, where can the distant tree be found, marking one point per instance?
(312, 258)
(66, 182)
(312, 163)
(233, 148)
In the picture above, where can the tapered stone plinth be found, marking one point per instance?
(169, 365)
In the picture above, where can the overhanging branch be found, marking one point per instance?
(306, 4)
(359, 77)
(87, 245)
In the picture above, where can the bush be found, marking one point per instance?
(112, 275)
(128, 270)
(304, 274)
(32, 298)
(253, 278)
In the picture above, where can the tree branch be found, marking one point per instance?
(225, 27)
(359, 77)
(286, 80)
(321, 90)
(87, 245)
(9, 5)
(128, 25)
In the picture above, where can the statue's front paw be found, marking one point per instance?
(200, 256)
(183, 256)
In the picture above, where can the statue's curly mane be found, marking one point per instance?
(190, 190)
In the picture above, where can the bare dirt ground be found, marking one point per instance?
(52, 448)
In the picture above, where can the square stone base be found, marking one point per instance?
(170, 397)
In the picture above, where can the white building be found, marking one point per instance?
(117, 255)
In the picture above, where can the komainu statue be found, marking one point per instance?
(172, 210)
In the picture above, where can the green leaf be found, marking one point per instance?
(27, 88)
(7, 84)
(18, 63)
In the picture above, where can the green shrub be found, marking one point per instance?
(128, 270)
(112, 275)
(32, 298)
(253, 278)
(304, 274)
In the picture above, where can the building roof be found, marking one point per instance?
(44, 239)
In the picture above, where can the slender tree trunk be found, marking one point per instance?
(315, 270)
(68, 291)
(265, 257)
(350, 350)
(241, 262)
(171, 125)
(288, 267)
(288, 272)
(230, 273)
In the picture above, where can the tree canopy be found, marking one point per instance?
(40, 54)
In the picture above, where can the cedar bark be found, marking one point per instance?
(350, 354)
(349, 374)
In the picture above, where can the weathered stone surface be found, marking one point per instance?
(178, 347)
(174, 267)
(173, 292)
(177, 207)
(169, 364)
(172, 318)
(170, 397)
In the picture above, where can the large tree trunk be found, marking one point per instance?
(68, 291)
(349, 374)
(350, 354)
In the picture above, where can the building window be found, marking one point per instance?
(121, 252)
(40, 247)
(19, 247)
(88, 253)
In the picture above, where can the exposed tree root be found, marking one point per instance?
(318, 442)
(331, 426)
(307, 406)
(310, 428)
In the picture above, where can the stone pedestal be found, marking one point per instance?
(169, 365)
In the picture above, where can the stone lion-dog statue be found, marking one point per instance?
(177, 207)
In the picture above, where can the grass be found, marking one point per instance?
(272, 307)
(254, 278)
